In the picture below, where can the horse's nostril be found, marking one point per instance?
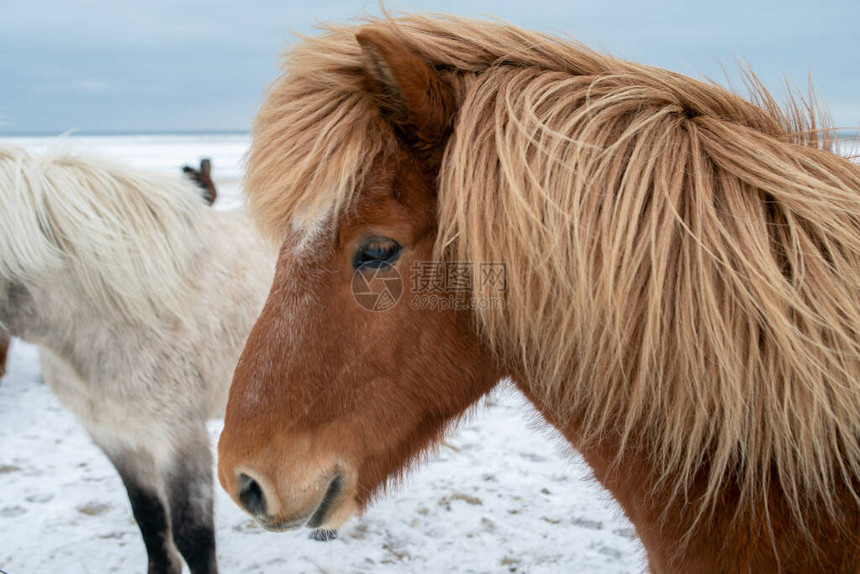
(251, 495)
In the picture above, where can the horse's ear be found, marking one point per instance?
(410, 93)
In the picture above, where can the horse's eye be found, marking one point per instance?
(378, 252)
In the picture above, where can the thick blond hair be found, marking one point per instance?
(682, 264)
(127, 236)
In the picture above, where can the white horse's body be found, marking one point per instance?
(140, 298)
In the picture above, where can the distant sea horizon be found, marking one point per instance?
(121, 133)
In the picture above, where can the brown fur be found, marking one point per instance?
(683, 271)
(203, 178)
(4, 350)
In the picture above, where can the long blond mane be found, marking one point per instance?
(683, 264)
(128, 237)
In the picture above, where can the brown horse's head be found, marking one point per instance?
(333, 396)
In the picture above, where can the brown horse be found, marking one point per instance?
(203, 178)
(4, 351)
(681, 287)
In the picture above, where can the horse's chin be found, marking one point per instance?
(277, 525)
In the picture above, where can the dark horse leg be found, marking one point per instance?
(189, 491)
(137, 470)
(161, 450)
(172, 500)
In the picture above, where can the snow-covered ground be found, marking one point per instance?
(503, 494)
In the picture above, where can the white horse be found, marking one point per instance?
(140, 298)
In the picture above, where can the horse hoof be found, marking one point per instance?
(323, 535)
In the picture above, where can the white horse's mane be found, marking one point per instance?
(127, 236)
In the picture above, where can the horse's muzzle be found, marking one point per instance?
(260, 498)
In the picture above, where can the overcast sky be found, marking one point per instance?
(191, 66)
